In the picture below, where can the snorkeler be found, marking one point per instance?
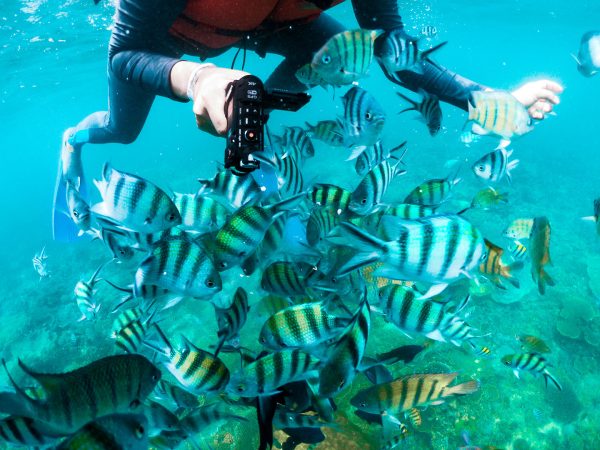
(150, 36)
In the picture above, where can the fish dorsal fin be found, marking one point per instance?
(50, 382)
(493, 247)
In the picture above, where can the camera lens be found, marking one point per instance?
(251, 135)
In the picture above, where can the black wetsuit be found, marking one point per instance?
(142, 54)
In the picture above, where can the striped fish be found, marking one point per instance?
(519, 229)
(369, 192)
(328, 131)
(432, 192)
(498, 113)
(412, 391)
(395, 440)
(345, 57)
(39, 263)
(409, 211)
(364, 118)
(125, 318)
(495, 166)
(24, 431)
(436, 249)
(273, 243)
(539, 251)
(300, 326)
(118, 243)
(159, 418)
(481, 351)
(199, 212)
(309, 76)
(588, 57)
(287, 278)
(285, 418)
(178, 396)
(115, 431)
(131, 337)
(494, 269)
(245, 229)
(198, 420)
(397, 51)
(596, 216)
(518, 251)
(403, 307)
(329, 195)
(414, 415)
(234, 190)
(134, 203)
(265, 375)
(530, 362)
(196, 370)
(458, 331)
(78, 209)
(272, 304)
(320, 222)
(297, 141)
(231, 320)
(487, 198)
(374, 155)
(180, 266)
(533, 344)
(429, 108)
(346, 354)
(84, 295)
(114, 384)
(290, 180)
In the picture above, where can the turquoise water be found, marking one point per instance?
(53, 58)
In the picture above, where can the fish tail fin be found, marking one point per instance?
(289, 203)
(425, 54)
(589, 218)
(168, 347)
(413, 104)
(554, 381)
(462, 389)
(543, 280)
(397, 148)
(509, 270)
(347, 233)
(510, 166)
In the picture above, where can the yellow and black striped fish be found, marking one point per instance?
(499, 113)
(328, 131)
(231, 320)
(345, 57)
(495, 270)
(412, 391)
(114, 384)
(533, 344)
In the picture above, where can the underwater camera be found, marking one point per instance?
(251, 106)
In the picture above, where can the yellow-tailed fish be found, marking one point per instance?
(494, 269)
(539, 251)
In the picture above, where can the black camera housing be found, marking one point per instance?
(251, 105)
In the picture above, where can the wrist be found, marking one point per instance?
(181, 75)
(193, 80)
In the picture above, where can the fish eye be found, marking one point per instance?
(342, 383)
(242, 253)
(480, 168)
(134, 404)
(223, 265)
(363, 404)
(210, 283)
(240, 388)
(262, 339)
(368, 115)
(171, 217)
(334, 280)
(326, 59)
(139, 431)
(75, 213)
(363, 201)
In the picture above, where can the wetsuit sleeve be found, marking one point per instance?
(137, 50)
(435, 79)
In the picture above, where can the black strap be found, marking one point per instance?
(322, 4)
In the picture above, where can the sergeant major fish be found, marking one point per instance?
(429, 108)
(369, 192)
(114, 384)
(300, 326)
(84, 295)
(200, 213)
(435, 249)
(498, 113)
(495, 269)
(374, 155)
(345, 57)
(235, 190)
(364, 118)
(397, 51)
(180, 266)
(588, 59)
(530, 362)
(39, 263)
(328, 131)
(134, 203)
(79, 210)
(432, 192)
(345, 356)
(495, 166)
(231, 320)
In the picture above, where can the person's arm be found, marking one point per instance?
(435, 79)
(138, 54)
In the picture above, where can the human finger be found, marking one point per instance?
(546, 94)
(551, 86)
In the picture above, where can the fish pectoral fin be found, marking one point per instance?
(589, 218)
(516, 372)
(575, 58)
(436, 336)
(434, 290)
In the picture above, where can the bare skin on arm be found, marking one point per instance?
(210, 90)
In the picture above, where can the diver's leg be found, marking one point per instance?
(298, 44)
